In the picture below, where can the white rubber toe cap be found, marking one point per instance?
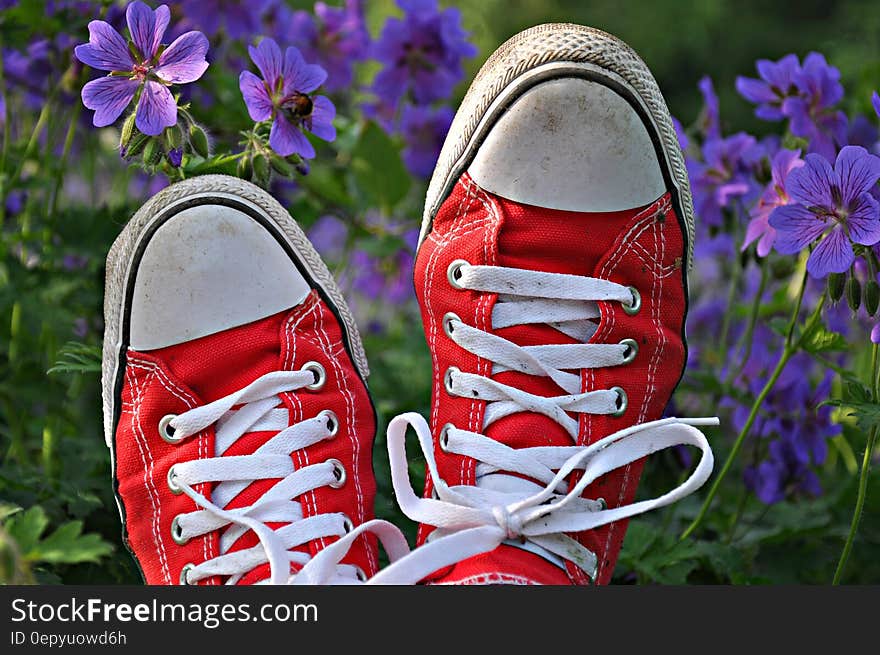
(207, 269)
(570, 144)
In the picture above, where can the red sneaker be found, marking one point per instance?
(552, 277)
(235, 403)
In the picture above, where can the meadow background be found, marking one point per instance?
(783, 510)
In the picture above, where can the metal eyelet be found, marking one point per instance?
(632, 350)
(338, 472)
(347, 524)
(443, 437)
(360, 573)
(332, 421)
(177, 532)
(319, 373)
(172, 482)
(453, 273)
(166, 431)
(448, 318)
(633, 308)
(447, 379)
(183, 573)
(622, 401)
(602, 503)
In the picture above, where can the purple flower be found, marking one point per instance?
(723, 175)
(30, 70)
(145, 68)
(775, 195)
(875, 333)
(810, 111)
(424, 130)
(805, 94)
(683, 140)
(336, 40)
(282, 95)
(875, 100)
(422, 53)
(239, 20)
(769, 92)
(710, 124)
(861, 132)
(833, 206)
(329, 235)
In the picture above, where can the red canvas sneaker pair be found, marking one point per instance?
(552, 278)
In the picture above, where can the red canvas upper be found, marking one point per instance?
(643, 248)
(180, 377)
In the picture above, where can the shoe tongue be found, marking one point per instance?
(552, 241)
(220, 364)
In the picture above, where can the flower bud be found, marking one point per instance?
(136, 145)
(199, 140)
(261, 170)
(853, 293)
(152, 153)
(281, 166)
(173, 137)
(836, 282)
(245, 170)
(127, 133)
(872, 297)
(175, 157)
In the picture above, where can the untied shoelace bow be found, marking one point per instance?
(503, 506)
(259, 411)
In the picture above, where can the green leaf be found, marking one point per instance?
(67, 545)
(76, 357)
(779, 325)
(866, 414)
(819, 339)
(26, 527)
(377, 168)
(7, 510)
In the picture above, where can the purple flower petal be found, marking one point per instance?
(863, 220)
(184, 60)
(323, 113)
(834, 254)
(811, 184)
(286, 139)
(875, 100)
(156, 109)
(257, 99)
(875, 333)
(753, 90)
(784, 162)
(106, 49)
(796, 228)
(147, 27)
(857, 171)
(300, 77)
(267, 56)
(108, 96)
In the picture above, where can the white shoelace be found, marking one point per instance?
(502, 506)
(260, 412)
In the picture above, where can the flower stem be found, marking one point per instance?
(789, 349)
(59, 174)
(747, 340)
(863, 478)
